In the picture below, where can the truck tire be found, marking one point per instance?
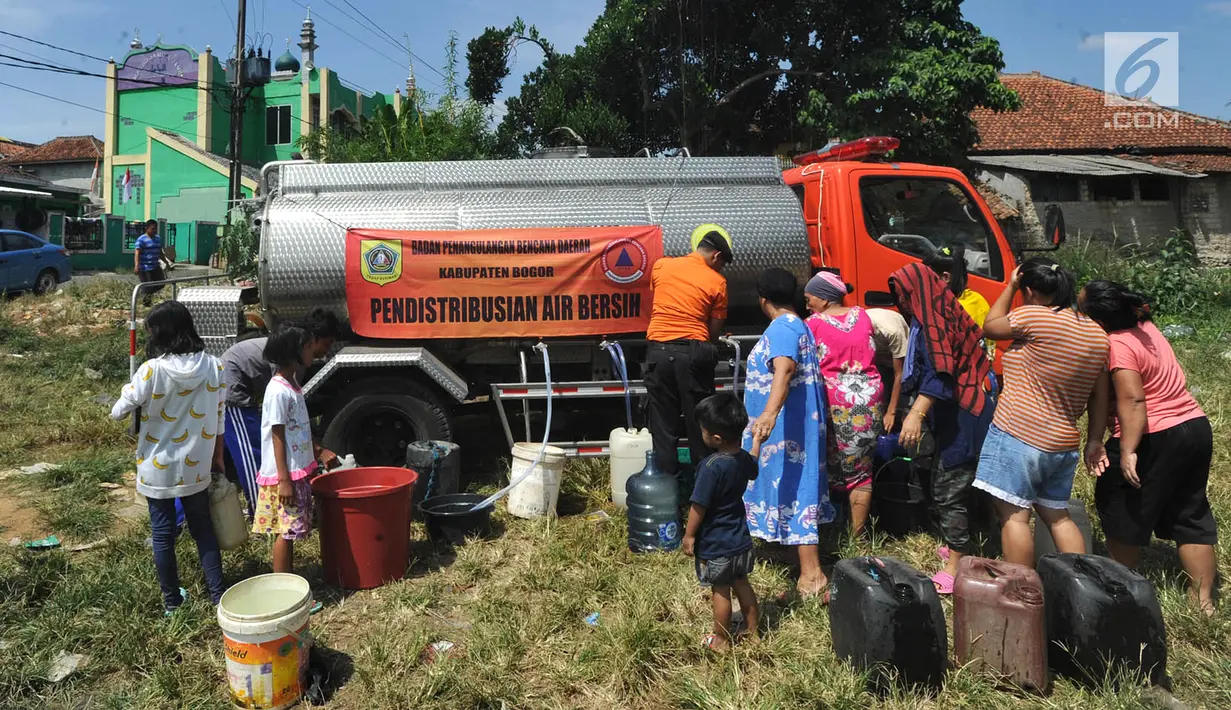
(382, 416)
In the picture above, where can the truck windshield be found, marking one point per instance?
(919, 216)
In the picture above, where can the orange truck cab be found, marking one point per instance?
(868, 218)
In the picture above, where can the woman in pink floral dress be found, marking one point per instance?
(846, 353)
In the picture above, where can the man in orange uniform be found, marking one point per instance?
(690, 305)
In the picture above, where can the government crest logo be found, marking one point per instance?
(381, 260)
(624, 261)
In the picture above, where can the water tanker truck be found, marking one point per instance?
(451, 273)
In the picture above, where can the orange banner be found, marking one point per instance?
(500, 283)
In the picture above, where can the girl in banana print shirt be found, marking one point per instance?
(180, 394)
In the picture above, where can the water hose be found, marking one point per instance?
(491, 500)
(621, 368)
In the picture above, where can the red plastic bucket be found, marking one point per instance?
(365, 524)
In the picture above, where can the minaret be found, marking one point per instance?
(307, 43)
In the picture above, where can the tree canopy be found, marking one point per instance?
(735, 78)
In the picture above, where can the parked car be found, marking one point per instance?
(28, 263)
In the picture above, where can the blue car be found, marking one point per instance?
(28, 263)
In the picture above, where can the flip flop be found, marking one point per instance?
(943, 553)
(708, 642)
(944, 582)
(316, 608)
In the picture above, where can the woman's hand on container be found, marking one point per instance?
(1096, 458)
(890, 419)
(286, 492)
(327, 458)
(912, 431)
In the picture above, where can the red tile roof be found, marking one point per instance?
(65, 149)
(12, 149)
(1062, 117)
(1191, 162)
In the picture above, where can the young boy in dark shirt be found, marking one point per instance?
(717, 532)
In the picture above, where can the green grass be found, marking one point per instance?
(515, 606)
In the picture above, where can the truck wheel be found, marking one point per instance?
(382, 417)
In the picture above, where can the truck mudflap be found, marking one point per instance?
(367, 356)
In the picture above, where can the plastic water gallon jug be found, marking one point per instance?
(628, 447)
(998, 621)
(1102, 617)
(537, 494)
(653, 509)
(1043, 543)
(885, 615)
(230, 525)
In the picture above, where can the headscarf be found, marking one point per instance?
(827, 286)
(953, 339)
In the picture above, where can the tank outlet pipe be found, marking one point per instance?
(491, 500)
(728, 340)
(621, 367)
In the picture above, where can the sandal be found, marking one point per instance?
(708, 642)
(316, 608)
(944, 582)
(943, 553)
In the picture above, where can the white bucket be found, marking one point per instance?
(537, 495)
(264, 623)
(226, 513)
(628, 447)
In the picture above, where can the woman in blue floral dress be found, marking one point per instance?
(784, 395)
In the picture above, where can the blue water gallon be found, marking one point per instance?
(653, 509)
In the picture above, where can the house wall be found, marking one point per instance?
(1113, 222)
(76, 175)
(172, 109)
(184, 190)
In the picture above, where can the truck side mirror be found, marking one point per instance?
(1053, 225)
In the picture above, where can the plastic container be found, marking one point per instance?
(628, 447)
(439, 464)
(537, 495)
(227, 514)
(900, 489)
(1043, 542)
(450, 519)
(885, 615)
(653, 509)
(999, 624)
(265, 635)
(364, 517)
(1102, 617)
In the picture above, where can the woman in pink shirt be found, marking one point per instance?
(1156, 465)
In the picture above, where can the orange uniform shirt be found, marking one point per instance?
(687, 295)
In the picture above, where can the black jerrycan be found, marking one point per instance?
(886, 615)
(1102, 618)
(653, 509)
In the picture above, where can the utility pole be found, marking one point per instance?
(238, 99)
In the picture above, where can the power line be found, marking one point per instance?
(405, 47)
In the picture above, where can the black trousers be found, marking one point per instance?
(678, 375)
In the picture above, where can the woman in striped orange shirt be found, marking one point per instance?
(1054, 370)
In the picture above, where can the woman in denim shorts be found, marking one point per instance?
(1055, 369)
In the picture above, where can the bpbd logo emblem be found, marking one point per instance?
(1141, 68)
(380, 260)
(625, 261)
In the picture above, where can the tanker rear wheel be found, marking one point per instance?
(382, 417)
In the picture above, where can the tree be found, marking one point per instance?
(730, 78)
(451, 128)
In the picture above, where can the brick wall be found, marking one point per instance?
(1117, 223)
(1206, 205)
